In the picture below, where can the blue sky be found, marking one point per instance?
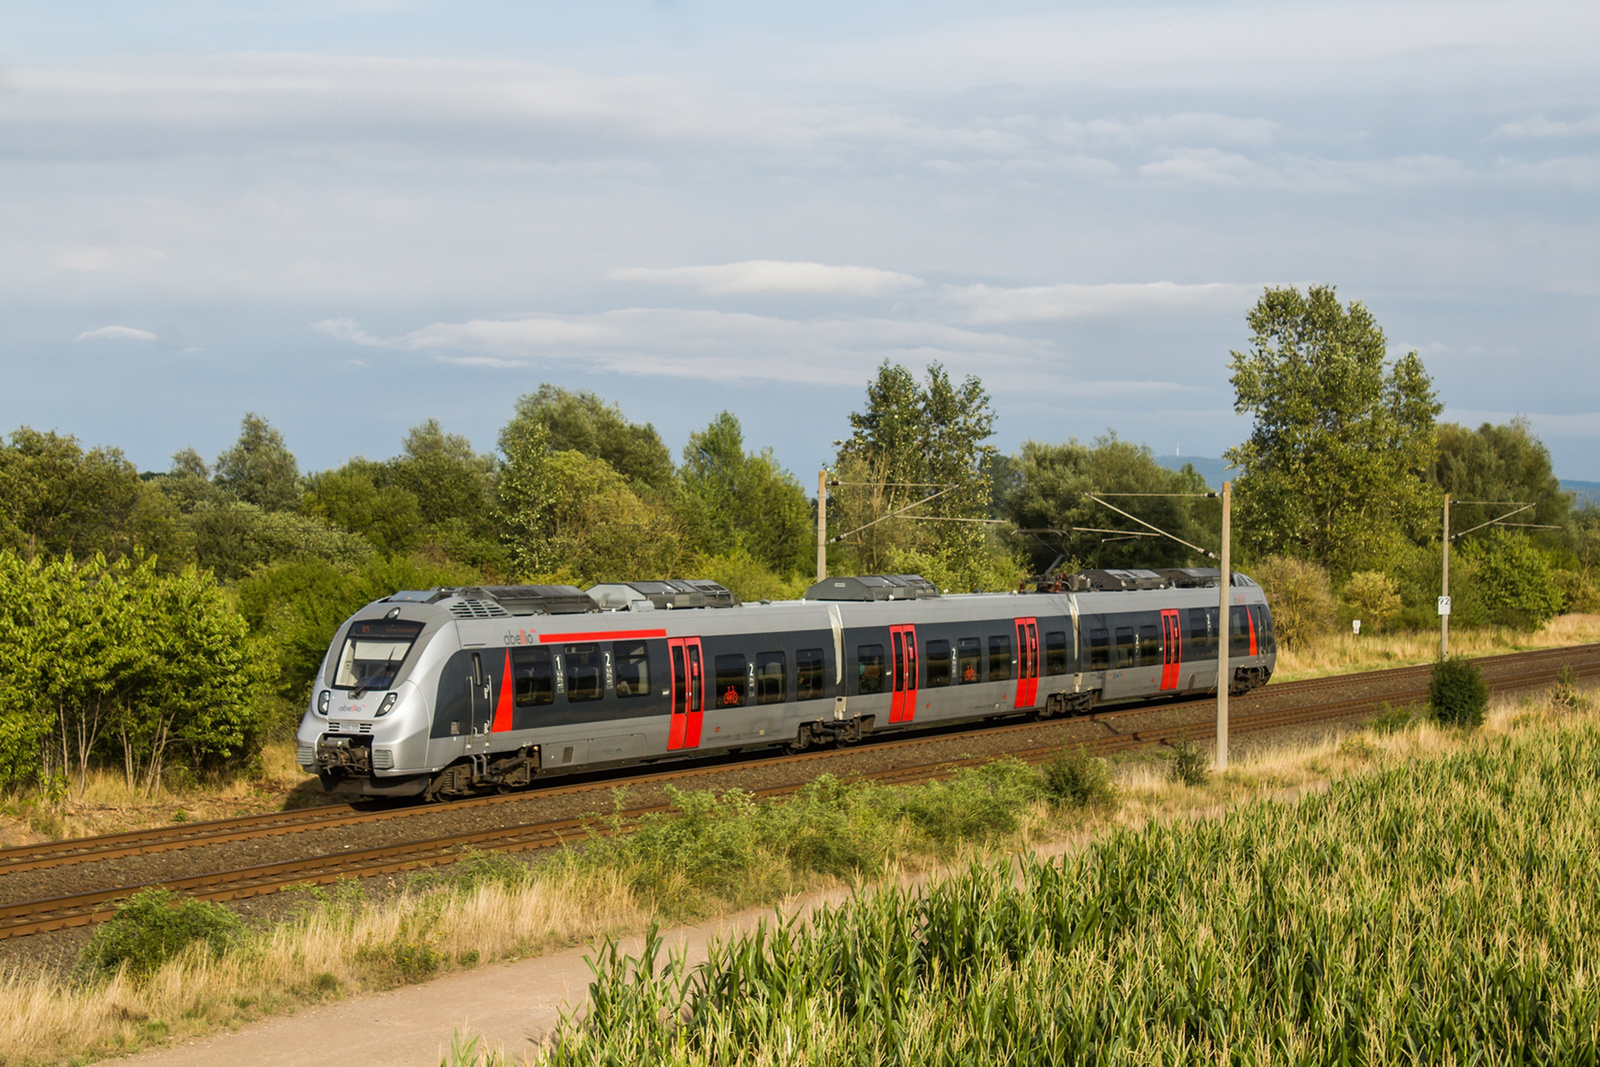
(354, 216)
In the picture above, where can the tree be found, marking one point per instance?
(55, 498)
(583, 422)
(1511, 578)
(732, 501)
(1052, 495)
(524, 492)
(234, 538)
(359, 498)
(1374, 597)
(1505, 463)
(454, 487)
(259, 469)
(1337, 466)
(1301, 598)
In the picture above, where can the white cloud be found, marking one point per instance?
(116, 333)
(776, 276)
(1543, 127)
(986, 304)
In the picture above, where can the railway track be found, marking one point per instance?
(1506, 672)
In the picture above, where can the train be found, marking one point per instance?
(451, 692)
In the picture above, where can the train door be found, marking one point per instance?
(1027, 663)
(1172, 649)
(688, 693)
(481, 683)
(903, 643)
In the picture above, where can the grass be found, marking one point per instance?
(1343, 653)
(109, 805)
(1432, 911)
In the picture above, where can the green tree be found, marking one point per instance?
(1505, 462)
(234, 538)
(732, 501)
(1374, 598)
(1301, 597)
(524, 492)
(360, 498)
(1512, 580)
(584, 422)
(595, 528)
(259, 469)
(1052, 496)
(1337, 466)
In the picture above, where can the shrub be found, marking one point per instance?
(1457, 692)
(152, 928)
(1391, 720)
(1076, 779)
(1190, 764)
(1565, 694)
(1301, 598)
(1515, 579)
(1373, 597)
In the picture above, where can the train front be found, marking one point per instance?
(365, 731)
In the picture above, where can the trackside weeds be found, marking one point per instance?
(722, 853)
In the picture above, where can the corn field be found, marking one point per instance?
(1438, 911)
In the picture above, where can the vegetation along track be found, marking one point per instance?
(1276, 707)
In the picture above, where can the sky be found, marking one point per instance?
(353, 215)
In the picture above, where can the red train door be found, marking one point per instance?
(903, 703)
(688, 693)
(1171, 649)
(1027, 662)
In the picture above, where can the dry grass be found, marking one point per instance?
(1344, 653)
(110, 806)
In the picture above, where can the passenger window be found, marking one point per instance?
(1126, 648)
(533, 678)
(808, 674)
(1239, 627)
(1149, 646)
(772, 678)
(632, 659)
(1200, 641)
(938, 656)
(584, 678)
(1055, 652)
(999, 658)
(869, 669)
(1099, 650)
(731, 682)
(968, 655)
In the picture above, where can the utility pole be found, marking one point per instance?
(1223, 629)
(1444, 588)
(822, 525)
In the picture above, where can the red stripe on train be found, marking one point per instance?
(601, 635)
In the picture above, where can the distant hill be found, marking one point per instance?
(1212, 470)
(1588, 492)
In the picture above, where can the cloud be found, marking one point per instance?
(984, 304)
(116, 333)
(776, 276)
(85, 259)
(1543, 127)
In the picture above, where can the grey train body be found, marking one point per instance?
(450, 692)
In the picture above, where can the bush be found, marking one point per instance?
(1076, 779)
(1301, 598)
(1565, 694)
(1391, 720)
(154, 927)
(1190, 765)
(1373, 597)
(1457, 692)
(1515, 580)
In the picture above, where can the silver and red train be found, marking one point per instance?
(448, 692)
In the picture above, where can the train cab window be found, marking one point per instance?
(869, 669)
(632, 659)
(1239, 630)
(373, 651)
(533, 677)
(1201, 640)
(1269, 640)
(999, 658)
(772, 678)
(731, 682)
(1127, 649)
(808, 680)
(585, 681)
(969, 657)
(1055, 652)
(1099, 650)
(1149, 646)
(938, 656)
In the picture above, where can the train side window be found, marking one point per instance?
(1055, 652)
(1126, 648)
(1239, 629)
(585, 680)
(772, 678)
(869, 669)
(731, 682)
(533, 677)
(969, 654)
(1149, 646)
(999, 658)
(1099, 650)
(808, 674)
(1200, 642)
(632, 659)
(938, 657)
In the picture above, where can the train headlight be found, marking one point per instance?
(388, 704)
(323, 700)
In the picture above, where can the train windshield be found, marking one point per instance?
(373, 652)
